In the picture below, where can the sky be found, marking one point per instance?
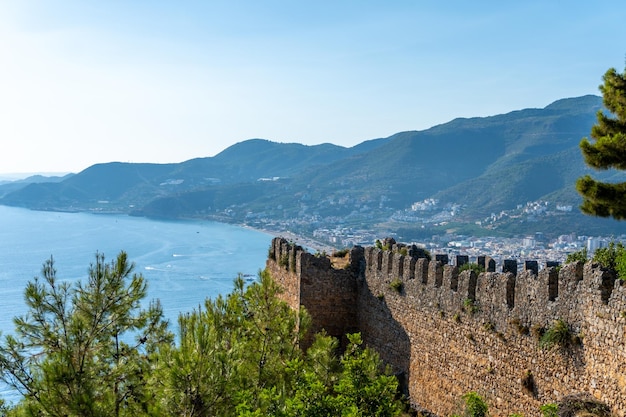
(86, 82)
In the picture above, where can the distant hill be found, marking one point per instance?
(7, 186)
(482, 165)
(124, 186)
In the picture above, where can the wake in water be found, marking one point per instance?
(152, 268)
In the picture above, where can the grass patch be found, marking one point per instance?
(478, 269)
(341, 253)
(284, 260)
(489, 326)
(559, 334)
(397, 285)
(549, 410)
(470, 306)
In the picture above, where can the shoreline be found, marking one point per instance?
(305, 242)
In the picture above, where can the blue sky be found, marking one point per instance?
(84, 82)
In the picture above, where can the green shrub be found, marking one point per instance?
(608, 257)
(549, 410)
(559, 334)
(470, 306)
(341, 253)
(284, 260)
(396, 285)
(620, 263)
(472, 267)
(380, 245)
(475, 405)
(580, 255)
(612, 258)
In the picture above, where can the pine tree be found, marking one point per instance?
(85, 349)
(240, 356)
(89, 349)
(607, 151)
(231, 356)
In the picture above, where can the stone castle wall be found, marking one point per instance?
(328, 294)
(446, 333)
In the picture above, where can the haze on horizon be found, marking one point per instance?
(90, 82)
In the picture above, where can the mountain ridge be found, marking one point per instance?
(482, 164)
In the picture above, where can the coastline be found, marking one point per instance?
(306, 242)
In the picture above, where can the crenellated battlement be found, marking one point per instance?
(329, 294)
(446, 332)
(533, 296)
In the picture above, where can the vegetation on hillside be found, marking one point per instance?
(485, 165)
(91, 349)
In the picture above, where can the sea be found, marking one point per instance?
(183, 262)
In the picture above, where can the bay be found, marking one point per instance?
(183, 262)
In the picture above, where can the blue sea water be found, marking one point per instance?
(184, 262)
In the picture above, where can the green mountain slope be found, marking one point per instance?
(495, 157)
(483, 165)
(125, 186)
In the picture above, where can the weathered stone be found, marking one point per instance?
(447, 333)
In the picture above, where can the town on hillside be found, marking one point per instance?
(532, 246)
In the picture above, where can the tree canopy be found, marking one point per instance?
(90, 349)
(606, 151)
(84, 349)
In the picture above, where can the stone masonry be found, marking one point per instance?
(446, 333)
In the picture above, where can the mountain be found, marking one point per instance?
(126, 185)
(479, 166)
(8, 186)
